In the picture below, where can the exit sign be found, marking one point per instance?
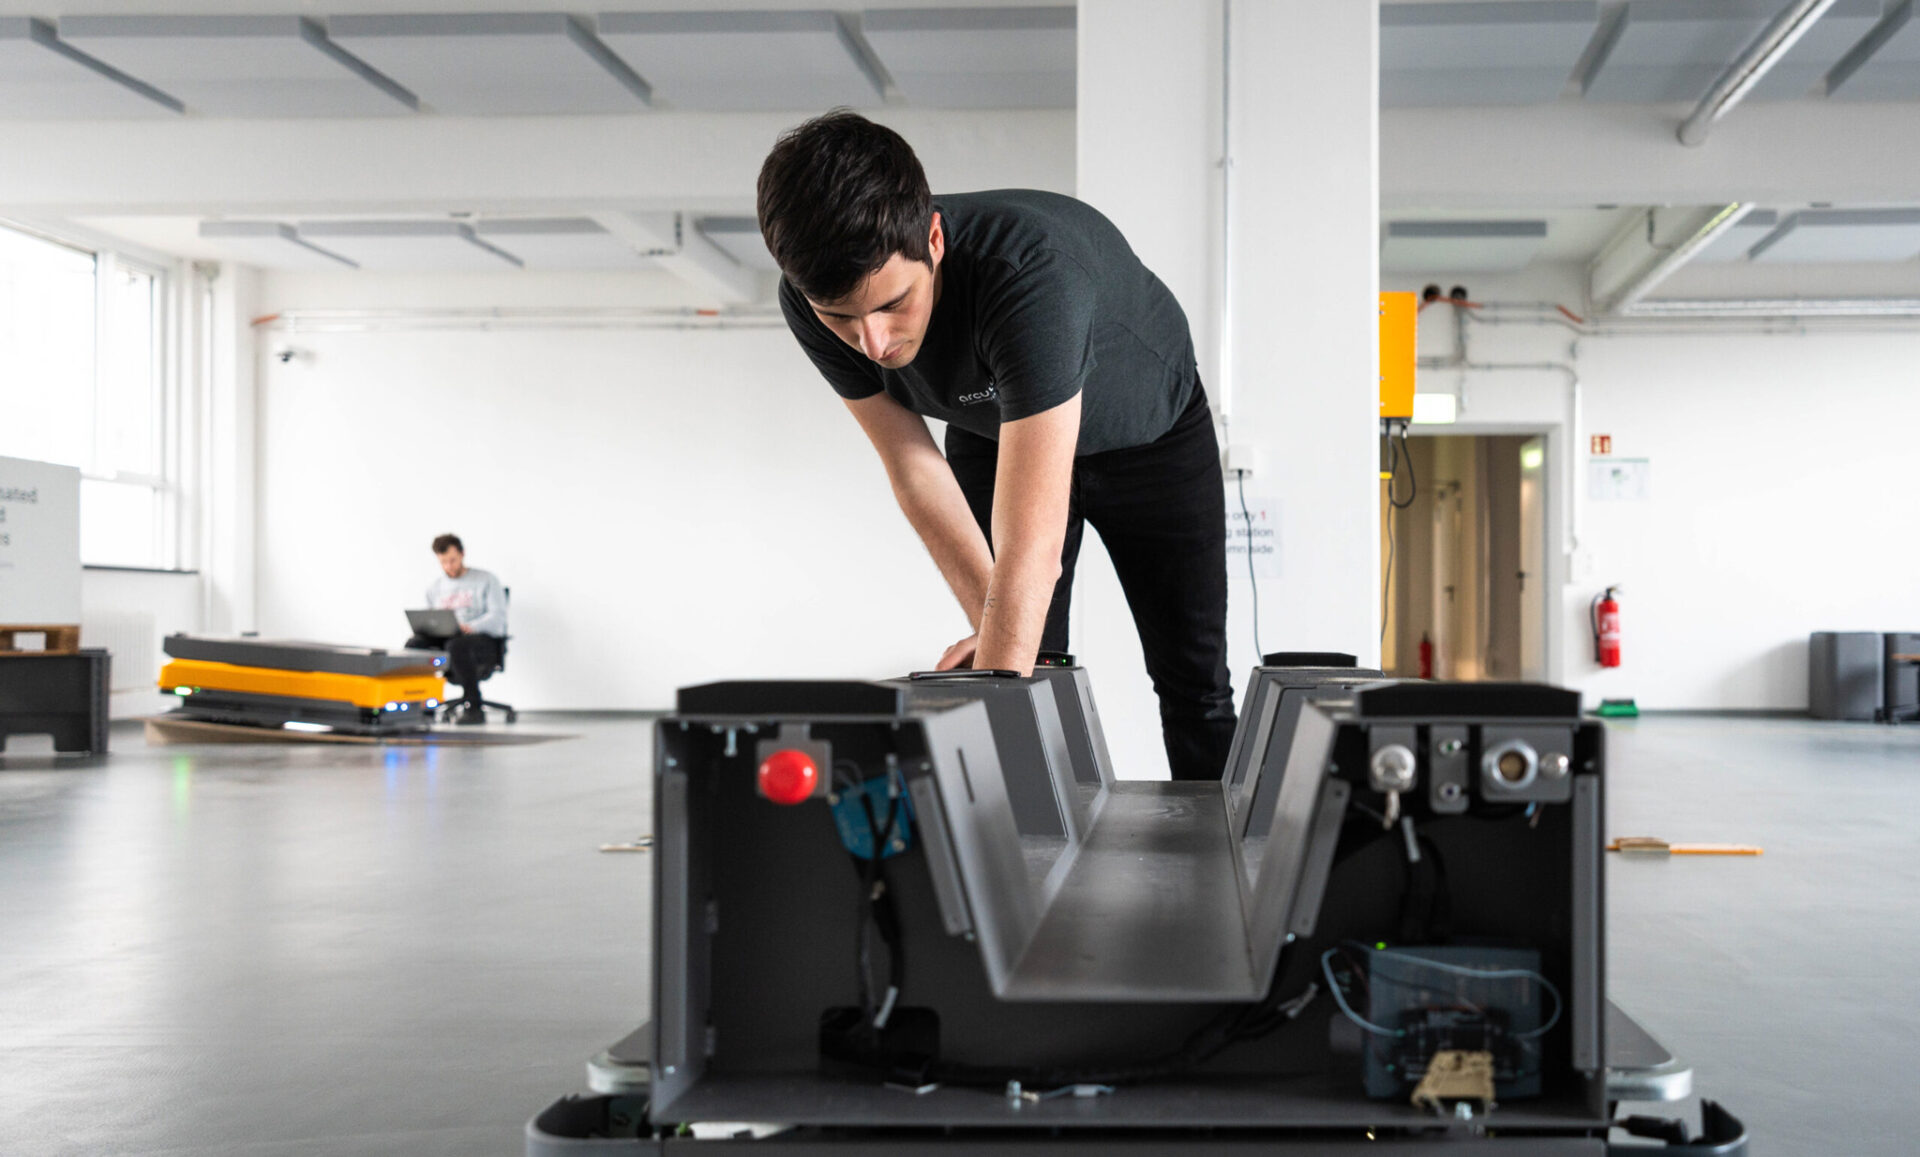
(1603, 443)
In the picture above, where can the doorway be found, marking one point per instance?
(1464, 531)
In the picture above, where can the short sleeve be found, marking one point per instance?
(852, 376)
(1036, 334)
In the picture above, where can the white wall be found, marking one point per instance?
(669, 506)
(1780, 465)
(129, 612)
(1295, 377)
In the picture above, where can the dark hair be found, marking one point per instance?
(838, 197)
(447, 542)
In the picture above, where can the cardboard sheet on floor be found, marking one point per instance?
(163, 731)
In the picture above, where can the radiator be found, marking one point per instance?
(134, 639)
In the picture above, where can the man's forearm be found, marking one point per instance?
(1014, 613)
(938, 511)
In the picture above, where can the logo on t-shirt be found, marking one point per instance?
(987, 395)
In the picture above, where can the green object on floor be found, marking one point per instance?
(1616, 709)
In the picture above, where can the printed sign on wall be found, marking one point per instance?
(1619, 479)
(39, 543)
(1256, 532)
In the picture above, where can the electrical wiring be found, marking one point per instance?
(1394, 454)
(1253, 581)
(1339, 998)
(875, 908)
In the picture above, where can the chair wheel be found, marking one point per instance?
(513, 717)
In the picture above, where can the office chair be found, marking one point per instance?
(449, 708)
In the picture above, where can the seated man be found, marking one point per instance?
(479, 602)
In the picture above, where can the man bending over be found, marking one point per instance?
(1065, 373)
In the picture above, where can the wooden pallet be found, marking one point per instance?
(61, 638)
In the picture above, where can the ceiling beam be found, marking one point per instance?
(1572, 153)
(671, 240)
(1652, 247)
(705, 162)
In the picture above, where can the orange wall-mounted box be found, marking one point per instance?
(1399, 325)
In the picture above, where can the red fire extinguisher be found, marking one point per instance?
(1606, 628)
(1426, 656)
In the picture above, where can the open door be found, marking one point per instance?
(1469, 555)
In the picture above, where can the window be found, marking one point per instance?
(81, 384)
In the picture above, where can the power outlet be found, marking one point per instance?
(1241, 459)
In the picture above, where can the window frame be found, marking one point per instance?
(165, 550)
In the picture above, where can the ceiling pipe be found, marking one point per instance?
(1767, 50)
(1782, 307)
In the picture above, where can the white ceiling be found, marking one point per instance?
(1443, 242)
(41, 77)
(238, 66)
(259, 62)
(1495, 52)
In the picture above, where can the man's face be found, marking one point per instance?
(886, 316)
(453, 561)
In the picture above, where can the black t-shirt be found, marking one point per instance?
(1041, 298)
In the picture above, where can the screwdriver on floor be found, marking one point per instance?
(1648, 846)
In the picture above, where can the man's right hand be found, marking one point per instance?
(959, 655)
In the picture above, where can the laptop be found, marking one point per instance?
(433, 624)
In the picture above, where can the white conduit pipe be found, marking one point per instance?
(1767, 50)
(507, 318)
(1225, 385)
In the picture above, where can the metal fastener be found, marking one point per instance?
(1393, 768)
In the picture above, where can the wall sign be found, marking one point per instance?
(39, 543)
(1257, 532)
(1619, 479)
(1602, 444)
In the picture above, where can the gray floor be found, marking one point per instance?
(336, 950)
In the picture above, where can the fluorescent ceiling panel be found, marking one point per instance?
(240, 66)
(1804, 70)
(1519, 52)
(739, 238)
(1673, 50)
(409, 246)
(1742, 235)
(1837, 236)
(40, 76)
(977, 57)
(271, 245)
(743, 60)
(1886, 65)
(494, 64)
(561, 243)
(1461, 246)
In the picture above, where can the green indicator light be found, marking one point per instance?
(1381, 945)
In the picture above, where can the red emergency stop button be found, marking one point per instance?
(788, 776)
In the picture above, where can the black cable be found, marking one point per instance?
(1394, 455)
(1386, 582)
(1253, 580)
(877, 907)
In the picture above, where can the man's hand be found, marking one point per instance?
(466, 629)
(959, 655)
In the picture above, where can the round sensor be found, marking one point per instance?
(1510, 765)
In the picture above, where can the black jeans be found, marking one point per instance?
(1161, 511)
(467, 656)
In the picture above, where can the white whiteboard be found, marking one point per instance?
(39, 542)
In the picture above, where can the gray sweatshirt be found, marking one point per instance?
(476, 598)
